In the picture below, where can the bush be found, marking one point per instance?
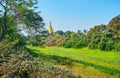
(37, 44)
(80, 44)
(68, 44)
(102, 45)
(117, 47)
(109, 46)
(93, 45)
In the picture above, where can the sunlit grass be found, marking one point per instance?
(107, 62)
(110, 59)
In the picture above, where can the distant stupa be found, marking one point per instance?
(50, 29)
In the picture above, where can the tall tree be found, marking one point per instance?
(19, 14)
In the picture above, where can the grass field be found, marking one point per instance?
(83, 62)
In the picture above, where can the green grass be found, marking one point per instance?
(106, 62)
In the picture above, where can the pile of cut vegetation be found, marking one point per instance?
(18, 63)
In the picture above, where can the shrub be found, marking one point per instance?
(93, 45)
(68, 44)
(102, 45)
(117, 47)
(80, 44)
(109, 46)
(37, 44)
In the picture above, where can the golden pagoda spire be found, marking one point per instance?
(50, 29)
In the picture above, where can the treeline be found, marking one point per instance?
(103, 37)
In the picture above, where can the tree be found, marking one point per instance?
(19, 14)
(85, 31)
(113, 28)
(79, 32)
(33, 23)
(18, 17)
(59, 32)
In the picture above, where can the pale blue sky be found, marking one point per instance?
(78, 14)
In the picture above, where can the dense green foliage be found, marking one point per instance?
(21, 24)
(17, 19)
(103, 37)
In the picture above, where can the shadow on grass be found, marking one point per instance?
(68, 61)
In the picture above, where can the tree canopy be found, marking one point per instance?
(20, 15)
(103, 37)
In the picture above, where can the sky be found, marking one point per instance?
(76, 15)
